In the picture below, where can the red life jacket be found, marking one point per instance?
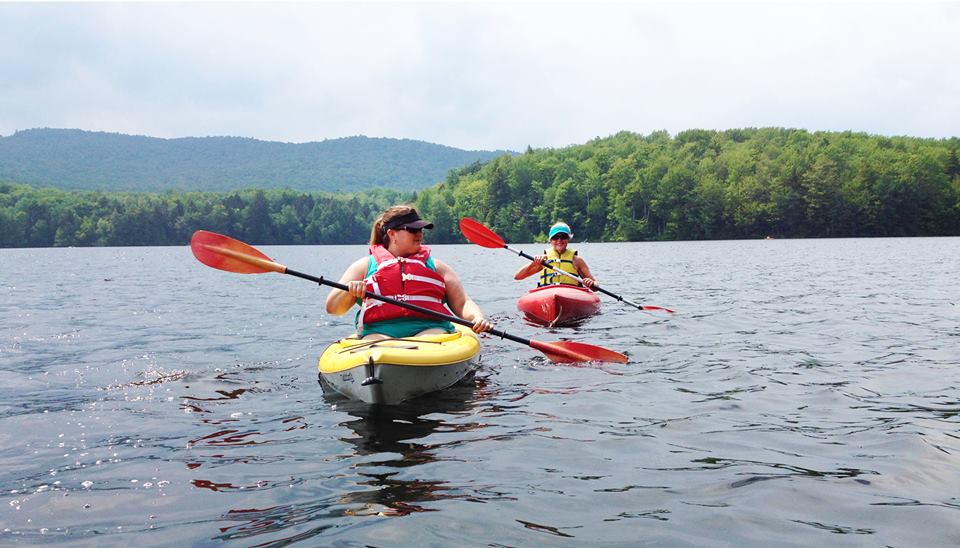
(407, 279)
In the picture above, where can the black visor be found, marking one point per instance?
(408, 220)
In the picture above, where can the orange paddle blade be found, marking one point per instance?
(225, 253)
(652, 307)
(573, 352)
(479, 234)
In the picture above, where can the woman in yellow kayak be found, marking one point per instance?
(401, 267)
(558, 256)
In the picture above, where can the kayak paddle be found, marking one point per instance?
(483, 236)
(225, 253)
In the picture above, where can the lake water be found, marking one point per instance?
(805, 393)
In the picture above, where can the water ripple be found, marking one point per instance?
(803, 394)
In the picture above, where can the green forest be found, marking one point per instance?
(699, 184)
(31, 217)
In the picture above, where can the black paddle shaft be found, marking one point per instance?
(456, 319)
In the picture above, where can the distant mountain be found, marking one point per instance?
(74, 159)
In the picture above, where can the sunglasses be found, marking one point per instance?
(410, 230)
(560, 237)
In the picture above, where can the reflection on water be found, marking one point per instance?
(394, 429)
(374, 431)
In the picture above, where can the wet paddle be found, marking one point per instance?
(479, 234)
(225, 253)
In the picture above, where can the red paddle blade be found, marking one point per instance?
(652, 307)
(225, 253)
(573, 352)
(479, 234)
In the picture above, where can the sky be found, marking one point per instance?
(479, 74)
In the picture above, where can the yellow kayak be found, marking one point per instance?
(390, 371)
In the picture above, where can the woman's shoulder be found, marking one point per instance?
(361, 263)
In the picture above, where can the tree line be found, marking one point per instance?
(699, 184)
(34, 217)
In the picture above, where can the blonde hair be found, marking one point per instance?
(378, 234)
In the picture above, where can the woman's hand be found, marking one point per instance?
(589, 282)
(481, 324)
(340, 301)
(357, 288)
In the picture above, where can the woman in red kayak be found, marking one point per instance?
(561, 257)
(401, 267)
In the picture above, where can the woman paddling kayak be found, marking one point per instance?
(558, 300)
(401, 267)
(560, 257)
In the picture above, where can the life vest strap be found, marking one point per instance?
(551, 276)
(424, 279)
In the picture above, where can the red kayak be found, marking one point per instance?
(559, 305)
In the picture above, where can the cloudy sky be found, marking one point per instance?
(479, 75)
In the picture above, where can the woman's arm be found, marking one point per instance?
(340, 301)
(584, 271)
(534, 266)
(459, 302)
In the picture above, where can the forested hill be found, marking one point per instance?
(741, 183)
(73, 159)
(700, 184)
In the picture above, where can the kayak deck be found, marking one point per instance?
(390, 371)
(558, 305)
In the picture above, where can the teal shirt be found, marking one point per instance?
(399, 327)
